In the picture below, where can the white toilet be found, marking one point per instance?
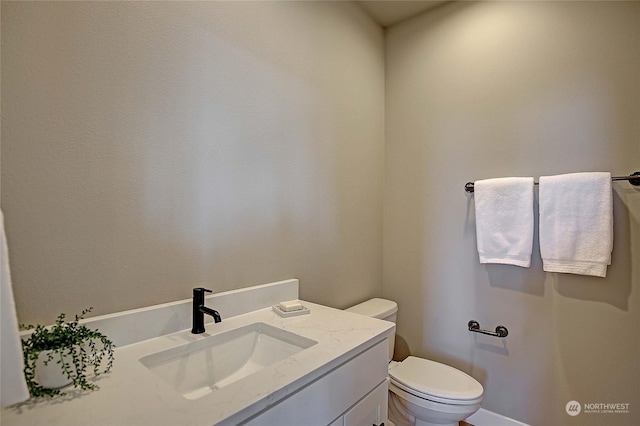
(423, 392)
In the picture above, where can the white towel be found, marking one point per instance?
(504, 220)
(13, 387)
(576, 223)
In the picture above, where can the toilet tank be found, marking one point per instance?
(382, 309)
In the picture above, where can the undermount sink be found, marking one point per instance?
(198, 368)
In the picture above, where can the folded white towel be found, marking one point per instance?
(13, 387)
(576, 223)
(504, 220)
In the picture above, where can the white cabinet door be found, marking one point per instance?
(371, 410)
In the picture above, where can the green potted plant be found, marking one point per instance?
(63, 354)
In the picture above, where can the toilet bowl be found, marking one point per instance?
(423, 392)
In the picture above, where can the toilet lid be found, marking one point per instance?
(431, 378)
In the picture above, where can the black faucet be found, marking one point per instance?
(199, 310)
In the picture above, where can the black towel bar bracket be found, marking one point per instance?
(501, 330)
(633, 180)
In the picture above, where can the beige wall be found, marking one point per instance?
(490, 89)
(148, 148)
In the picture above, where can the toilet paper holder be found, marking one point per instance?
(501, 330)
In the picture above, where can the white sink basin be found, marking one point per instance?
(198, 368)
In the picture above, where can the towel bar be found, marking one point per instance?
(501, 330)
(632, 178)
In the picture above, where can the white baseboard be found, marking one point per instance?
(488, 418)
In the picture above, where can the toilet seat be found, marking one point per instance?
(435, 382)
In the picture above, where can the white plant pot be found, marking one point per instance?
(52, 376)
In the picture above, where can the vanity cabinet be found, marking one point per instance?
(353, 394)
(340, 380)
(371, 410)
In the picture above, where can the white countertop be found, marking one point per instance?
(133, 395)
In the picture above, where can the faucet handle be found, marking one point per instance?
(198, 294)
